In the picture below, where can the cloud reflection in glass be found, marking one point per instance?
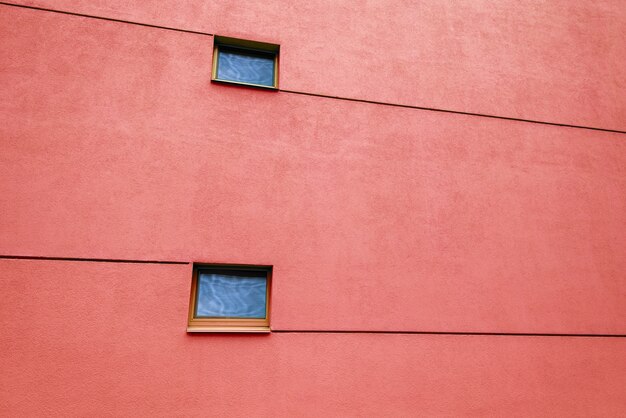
(246, 67)
(240, 295)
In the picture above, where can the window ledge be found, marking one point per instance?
(241, 83)
(260, 329)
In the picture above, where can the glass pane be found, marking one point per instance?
(245, 66)
(231, 294)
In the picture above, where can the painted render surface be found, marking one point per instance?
(440, 222)
(556, 61)
(108, 339)
(115, 145)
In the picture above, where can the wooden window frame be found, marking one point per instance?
(243, 45)
(257, 325)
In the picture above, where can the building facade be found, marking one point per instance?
(438, 186)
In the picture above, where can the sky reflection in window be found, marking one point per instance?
(246, 67)
(231, 295)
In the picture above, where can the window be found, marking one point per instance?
(244, 62)
(229, 299)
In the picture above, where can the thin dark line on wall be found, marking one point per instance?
(431, 109)
(457, 112)
(96, 260)
(504, 334)
(110, 19)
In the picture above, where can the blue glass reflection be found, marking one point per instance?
(232, 296)
(246, 67)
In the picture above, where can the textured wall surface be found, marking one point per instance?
(115, 145)
(557, 61)
(94, 339)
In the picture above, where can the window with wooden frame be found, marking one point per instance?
(226, 298)
(248, 63)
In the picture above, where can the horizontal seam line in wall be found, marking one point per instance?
(469, 333)
(110, 19)
(95, 260)
(457, 112)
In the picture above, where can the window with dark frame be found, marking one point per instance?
(229, 299)
(249, 63)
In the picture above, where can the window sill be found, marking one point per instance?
(241, 83)
(260, 329)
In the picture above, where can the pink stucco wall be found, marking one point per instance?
(557, 61)
(115, 145)
(108, 339)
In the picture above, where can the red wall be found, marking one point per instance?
(115, 145)
(557, 61)
(108, 339)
